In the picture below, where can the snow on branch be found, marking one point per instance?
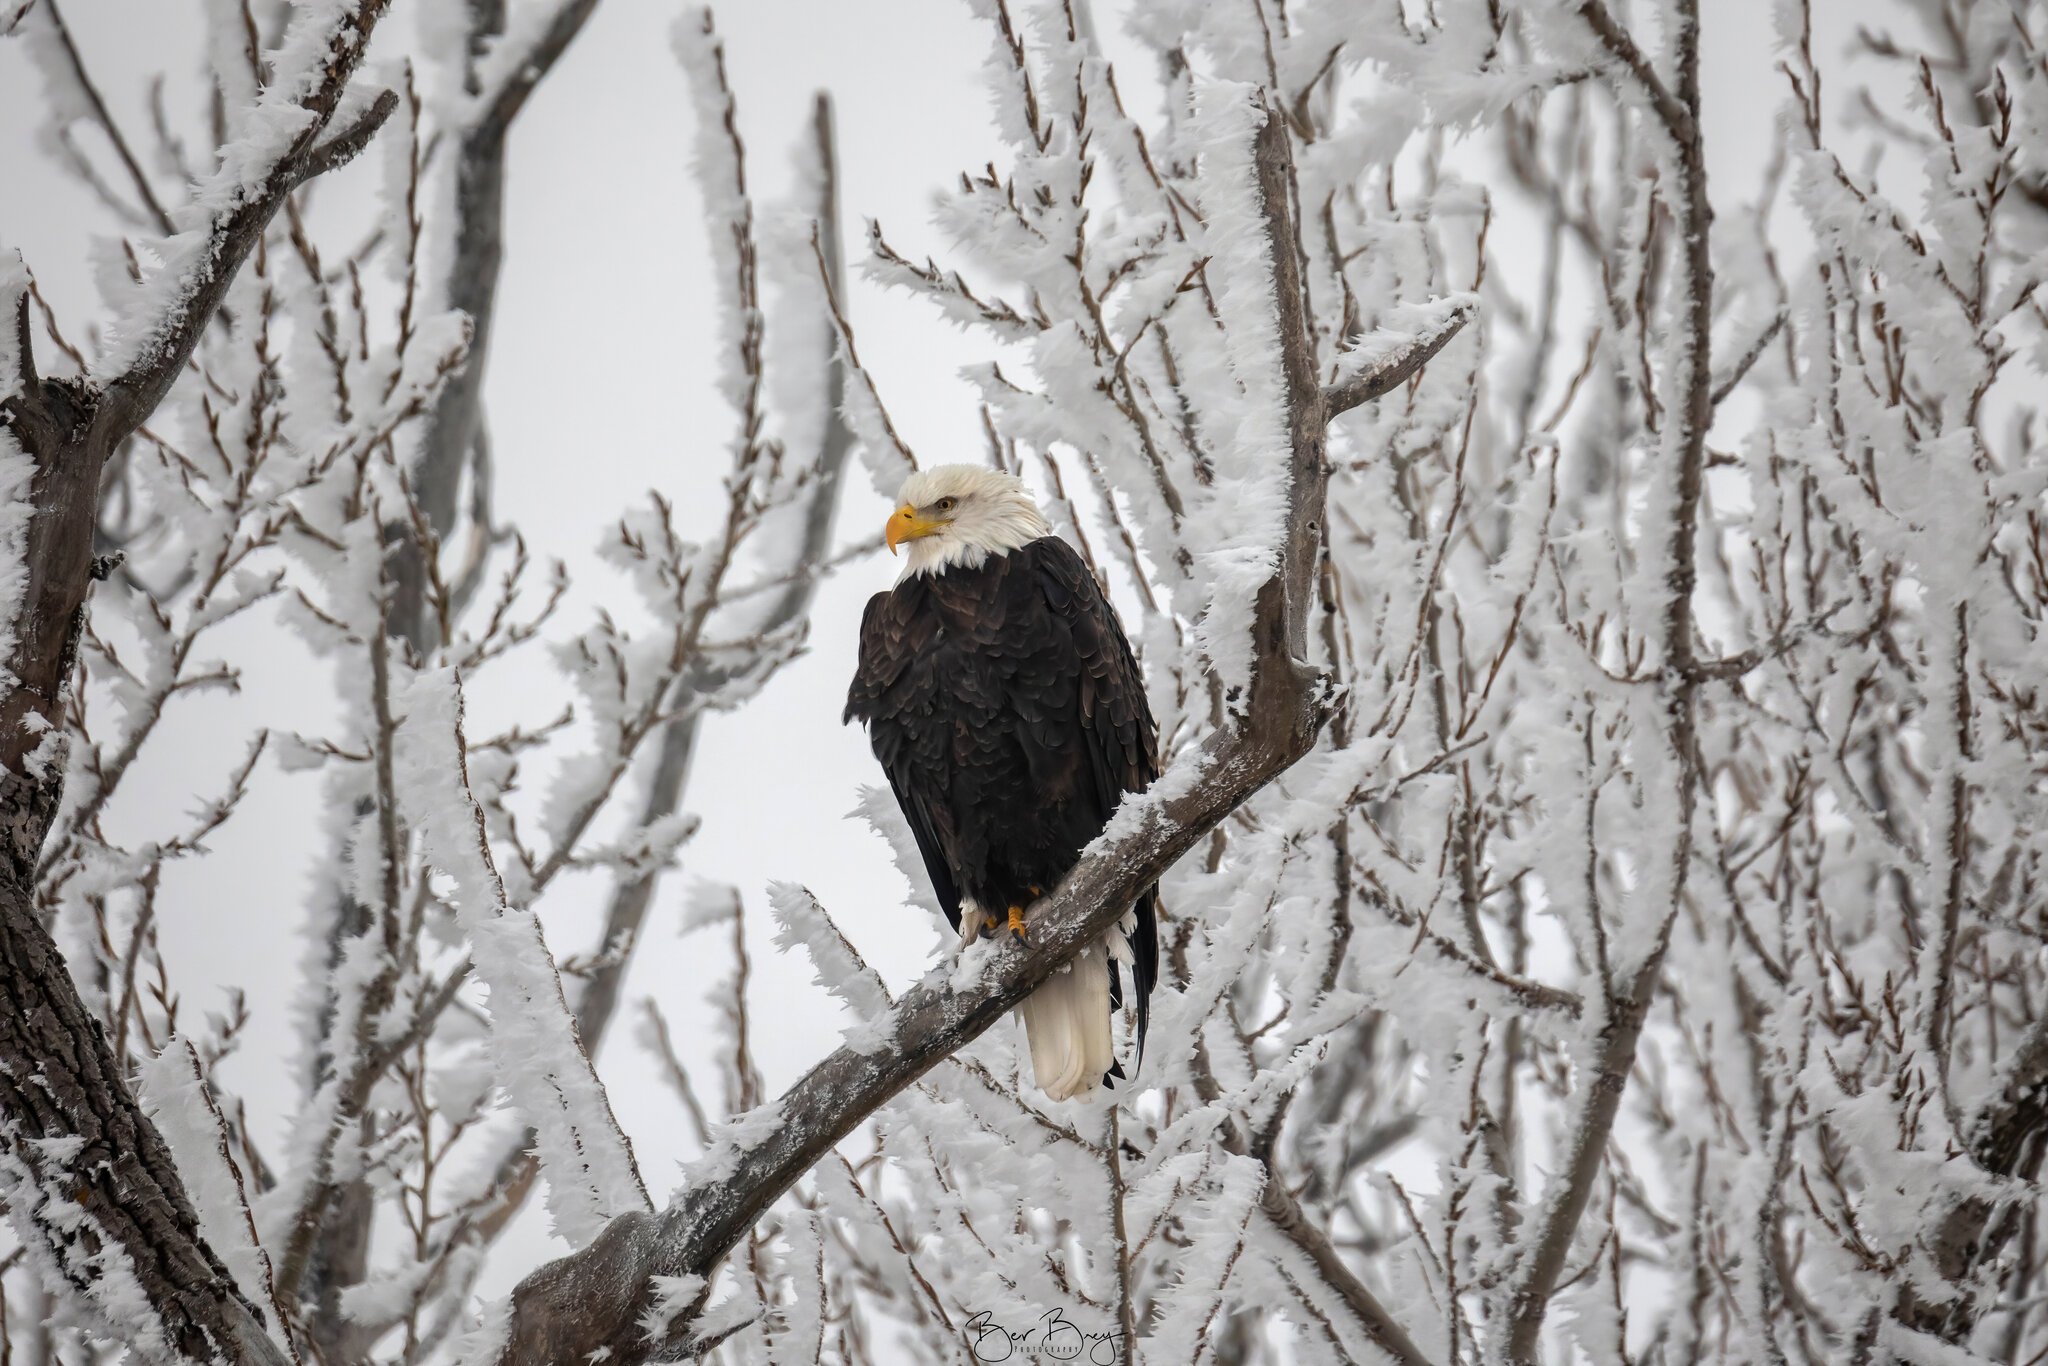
(1660, 878)
(587, 1161)
(781, 508)
(1382, 362)
(286, 141)
(1237, 543)
(720, 171)
(118, 1237)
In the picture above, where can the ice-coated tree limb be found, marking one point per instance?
(455, 425)
(129, 397)
(68, 428)
(1692, 385)
(1288, 1218)
(596, 1005)
(1672, 109)
(598, 1002)
(454, 439)
(1394, 370)
(603, 1299)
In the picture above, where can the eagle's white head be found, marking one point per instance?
(962, 514)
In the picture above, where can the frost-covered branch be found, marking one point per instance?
(492, 72)
(68, 429)
(1639, 957)
(697, 693)
(1629, 987)
(1377, 366)
(501, 69)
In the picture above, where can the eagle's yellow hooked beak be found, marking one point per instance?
(906, 525)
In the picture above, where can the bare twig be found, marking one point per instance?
(1726, 384)
(100, 113)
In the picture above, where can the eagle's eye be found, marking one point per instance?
(947, 504)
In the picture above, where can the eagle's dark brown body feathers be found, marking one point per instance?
(1006, 707)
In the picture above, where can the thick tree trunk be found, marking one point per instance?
(91, 1173)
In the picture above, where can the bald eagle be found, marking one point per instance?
(1002, 699)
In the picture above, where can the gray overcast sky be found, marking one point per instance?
(599, 390)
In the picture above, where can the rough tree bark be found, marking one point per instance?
(594, 1300)
(64, 1092)
(2006, 1140)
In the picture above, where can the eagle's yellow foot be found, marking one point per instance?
(1017, 924)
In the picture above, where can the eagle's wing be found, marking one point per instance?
(1119, 738)
(1115, 715)
(922, 826)
(885, 651)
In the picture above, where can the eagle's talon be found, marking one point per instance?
(1017, 924)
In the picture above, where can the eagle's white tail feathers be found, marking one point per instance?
(1066, 1022)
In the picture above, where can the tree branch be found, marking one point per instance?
(131, 396)
(1394, 370)
(1691, 383)
(2008, 1130)
(1726, 385)
(2006, 1139)
(597, 1004)
(453, 438)
(1671, 110)
(105, 118)
(594, 1299)
(455, 424)
(535, 63)
(69, 429)
(1287, 1217)
(343, 147)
